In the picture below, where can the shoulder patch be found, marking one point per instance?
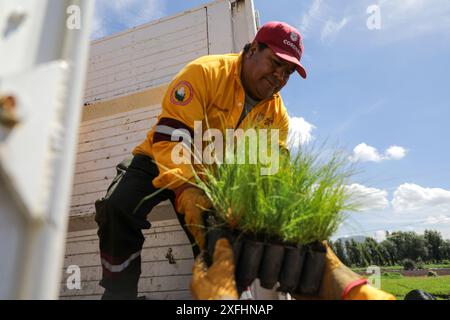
(182, 93)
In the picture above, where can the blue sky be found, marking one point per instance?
(383, 94)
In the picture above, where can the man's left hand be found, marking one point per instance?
(217, 282)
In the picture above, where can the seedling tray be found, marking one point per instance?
(297, 269)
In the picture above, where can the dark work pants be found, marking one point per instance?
(120, 225)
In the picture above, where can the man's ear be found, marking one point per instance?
(253, 49)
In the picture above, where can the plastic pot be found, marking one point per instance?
(289, 277)
(311, 277)
(249, 262)
(215, 234)
(271, 263)
(236, 244)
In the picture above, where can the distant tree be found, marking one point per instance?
(435, 245)
(418, 248)
(365, 258)
(446, 250)
(389, 250)
(387, 261)
(395, 249)
(409, 245)
(352, 259)
(355, 253)
(373, 254)
(340, 252)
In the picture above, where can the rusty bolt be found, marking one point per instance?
(170, 257)
(8, 112)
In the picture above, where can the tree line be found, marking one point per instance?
(397, 248)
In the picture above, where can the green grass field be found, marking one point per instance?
(388, 268)
(399, 286)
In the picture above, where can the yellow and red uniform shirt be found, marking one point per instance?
(209, 89)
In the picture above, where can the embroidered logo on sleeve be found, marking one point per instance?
(268, 122)
(263, 121)
(182, 93)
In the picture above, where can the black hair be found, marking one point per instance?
(261, 46)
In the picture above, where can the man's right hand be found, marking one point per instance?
(192, 202)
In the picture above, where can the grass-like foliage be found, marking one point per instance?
(304, 201)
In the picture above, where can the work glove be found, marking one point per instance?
(339, 282)
(217, 282)
(192, 202)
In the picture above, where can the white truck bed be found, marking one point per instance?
(127, 77)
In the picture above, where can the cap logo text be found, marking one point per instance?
(293, 46)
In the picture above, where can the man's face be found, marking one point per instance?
(264, 73)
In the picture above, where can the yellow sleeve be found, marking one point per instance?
(184, 103)
(282, 123)
(284, 129)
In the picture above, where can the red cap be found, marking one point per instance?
(285, 41)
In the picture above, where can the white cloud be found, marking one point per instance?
(379, 235)
(400, 20)
(300, 131)
(395, 153)
(365, 153)
(413, 208)
(118, 15)
(412, 197)
(310, 17)
(331, 29)
(366, 198)
(317, 17)
(413, 18)
(438, 220)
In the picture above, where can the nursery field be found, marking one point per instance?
(399, 286)
(395, 268)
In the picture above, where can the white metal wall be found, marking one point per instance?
(146, 56)
(103, 143)
(159, 279)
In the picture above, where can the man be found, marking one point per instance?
(338, 281)
(223, 92)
